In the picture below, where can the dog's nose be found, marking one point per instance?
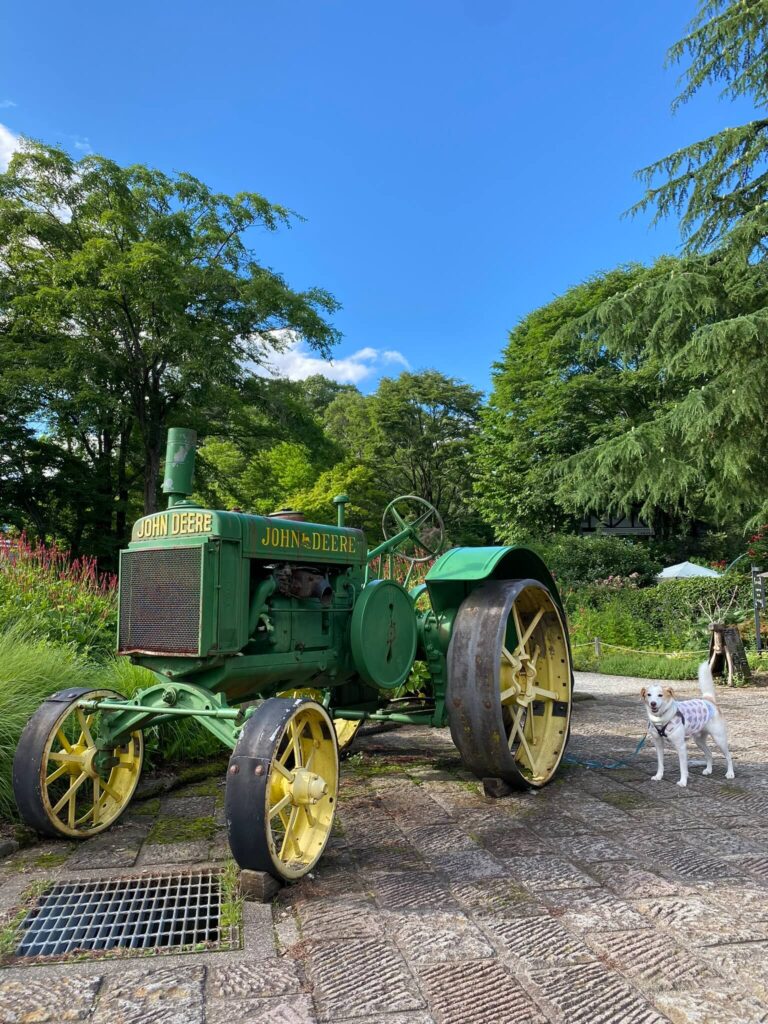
(653, 705)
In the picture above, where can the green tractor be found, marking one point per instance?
(281, 637)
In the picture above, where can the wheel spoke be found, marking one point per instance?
(400, 522)
(71, 792)
(283, 770)
(289, 838)
(514, 662)
(96, 800)
(63, 740)
(539, 691)
(63, 756)
(277, 808)
(309, 816)
(534, 623)
(295, 735)
(85, 724)
(509, 694)
(61, 770)
(108, 789)
(93, 811)
(516, 730)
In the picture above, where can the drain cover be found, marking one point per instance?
(163, 912)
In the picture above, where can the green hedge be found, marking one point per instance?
(579, 561)
(673, 615)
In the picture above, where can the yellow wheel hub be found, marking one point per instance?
(85, 789)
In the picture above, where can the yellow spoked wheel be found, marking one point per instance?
(510, 682)
(282, 787)
(63, 782)
(346, 729)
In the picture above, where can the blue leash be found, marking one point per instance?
(586, 762)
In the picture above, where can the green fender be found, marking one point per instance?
(460, 570)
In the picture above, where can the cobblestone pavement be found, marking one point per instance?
(603, 899)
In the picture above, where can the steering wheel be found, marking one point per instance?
(422, 520)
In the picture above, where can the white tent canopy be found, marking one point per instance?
(685, 571)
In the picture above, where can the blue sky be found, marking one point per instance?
(458, 162)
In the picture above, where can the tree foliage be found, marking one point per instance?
(415, 432)
(704, 317)
(563, 387)
(717, 182)
(131, 299)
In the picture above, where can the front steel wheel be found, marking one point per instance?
(64, 784)
(346, 728)
(510, 683)
(282, 786)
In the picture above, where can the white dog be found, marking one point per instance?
(678, 720)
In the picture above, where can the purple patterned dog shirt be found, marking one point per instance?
(696, 714)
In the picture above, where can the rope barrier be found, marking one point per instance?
(637, 650)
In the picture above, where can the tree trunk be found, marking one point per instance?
(121, 486)
(151, 476)
(726, 650)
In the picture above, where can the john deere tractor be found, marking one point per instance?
(281, 637)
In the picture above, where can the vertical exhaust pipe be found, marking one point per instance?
(179, 464)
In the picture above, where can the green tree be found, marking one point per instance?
(132, 299)
(348, 421)
(422, 429)
(718, 183)
(559, 390)
(360, 483)
(706, 316)
(318, 392)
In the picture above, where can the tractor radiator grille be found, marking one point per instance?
(160, 600)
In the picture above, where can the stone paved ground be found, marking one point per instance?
(604, 899)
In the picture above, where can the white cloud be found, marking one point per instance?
(9, 143)
(393, 356)
(297, 361)
(5, 104)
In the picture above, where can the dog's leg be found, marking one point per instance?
(677, 738)
(718, 732)
(658, 742)
(701, 742)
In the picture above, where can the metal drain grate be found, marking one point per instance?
(168, 912)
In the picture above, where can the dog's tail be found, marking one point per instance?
(706, 682)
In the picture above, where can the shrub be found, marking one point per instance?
(672, 616)
(52, 597)
(577, 561)
(758, 547)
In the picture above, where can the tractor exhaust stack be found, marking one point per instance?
(179, 465)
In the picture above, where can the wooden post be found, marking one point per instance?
(598, 647)
(726, 650)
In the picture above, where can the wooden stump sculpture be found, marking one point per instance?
(726, 648)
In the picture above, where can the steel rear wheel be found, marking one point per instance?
(282, 786)
(63, 782)
(510, 683)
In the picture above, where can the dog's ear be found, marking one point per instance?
(669, 693)
(643, 692)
